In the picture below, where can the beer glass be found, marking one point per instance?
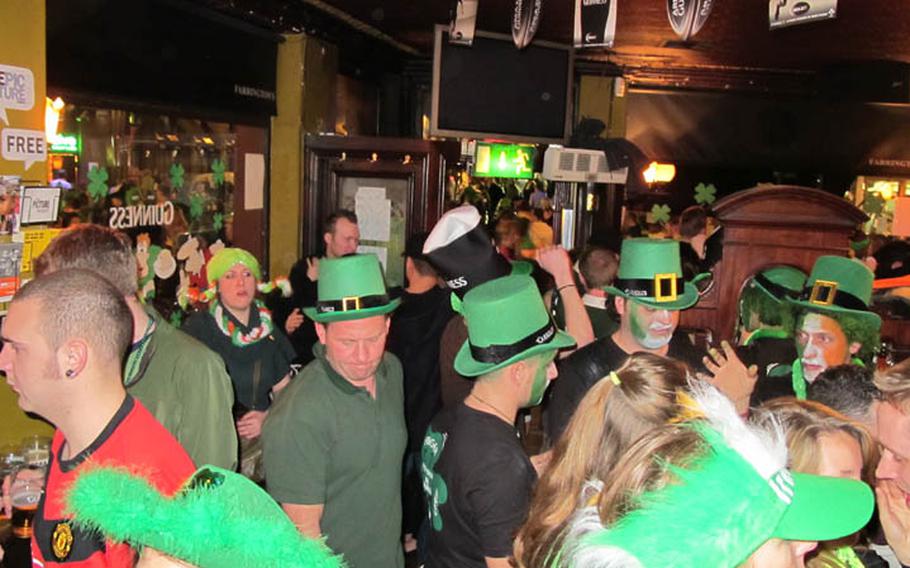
(36, 451)
(25, 492)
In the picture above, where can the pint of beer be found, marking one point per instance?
(25, 493)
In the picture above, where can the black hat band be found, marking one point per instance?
(776, 290)
(496, 354)
(824, 293)
(351, 304)
(661, 288)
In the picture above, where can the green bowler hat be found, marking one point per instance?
(650, 272)
(219, 518)
(839, 285)
(507, 322)
(350, 287)
(781, 282)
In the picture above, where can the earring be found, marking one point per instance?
(70, 373)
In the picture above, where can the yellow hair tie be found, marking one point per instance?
(615, 378)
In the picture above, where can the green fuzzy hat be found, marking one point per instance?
(219, 518)
(227, 258)
(350, 287)
(507, 322)
(724, 504)
(839, 285)
(650, 272)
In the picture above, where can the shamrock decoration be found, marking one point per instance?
(705, 194)
(97, 186)
(217, 221)
(176, 318)
(218, 171)
(660, 213)
(433, 483)
(196, 205)
(873, 204)
(176, 173)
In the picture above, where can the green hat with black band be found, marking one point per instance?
(840, 286)
(507, 322)
(351, 287)
(650, 272)
(219, 518)
(780, 282)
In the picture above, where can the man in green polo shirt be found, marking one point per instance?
(334, 440)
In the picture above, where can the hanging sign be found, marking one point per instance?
(40, 204)
(525, 20)
(504, 160)
(688, 17)
(595, 23)
(464, 21)
(783, 13)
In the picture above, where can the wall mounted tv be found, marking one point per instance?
(493, 89)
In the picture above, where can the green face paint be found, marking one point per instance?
(638, 331)
(539, 387)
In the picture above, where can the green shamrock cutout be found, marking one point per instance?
(218, 171)
(705, 194)
(217, 221)
(176, 173)
(660, 213)
(196, 206)
(873, 204)
(176, 318)
(434, 486)
(97, 186)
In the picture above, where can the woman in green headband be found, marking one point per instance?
(239, 327)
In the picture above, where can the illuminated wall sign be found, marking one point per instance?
(65, 143)
(141, 215)
(504, 160)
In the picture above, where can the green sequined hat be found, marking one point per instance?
(219, 518)
(350, 287)
(650, 272)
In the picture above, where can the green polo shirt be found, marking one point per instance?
(329, 442)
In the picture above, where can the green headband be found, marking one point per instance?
(227, 258)
(219, 518)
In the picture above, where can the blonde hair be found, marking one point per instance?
(894, 385)
(614, 414)
(804, 423)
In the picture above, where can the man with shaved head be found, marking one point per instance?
(182, 382)
(64, 340)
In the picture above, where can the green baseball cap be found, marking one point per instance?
(507, 322)
(839, 285)
(350, 287)
(219, 518)
(650, 272)
(725, 503)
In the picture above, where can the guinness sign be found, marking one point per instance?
(688, 17)
(595, 23)
(525, 20)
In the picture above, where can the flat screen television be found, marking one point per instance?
(492, 89)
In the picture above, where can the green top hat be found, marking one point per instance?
(650, 272)
(781, 282)
(219, 518)
(723, 504)
(839, 285)
(507, 322)
(350, 287)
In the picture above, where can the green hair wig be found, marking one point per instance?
(864, 331)
(219, 518)
(770, 310)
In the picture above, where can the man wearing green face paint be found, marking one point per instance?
(649, 294)
(475, 473)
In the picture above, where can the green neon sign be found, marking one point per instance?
(65, 143)
(504, 160)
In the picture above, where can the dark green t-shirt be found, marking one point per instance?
(329, 442)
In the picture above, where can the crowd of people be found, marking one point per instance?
(332, 421)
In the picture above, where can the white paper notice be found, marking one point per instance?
(374, 214)
(253, 180)
(381, 252)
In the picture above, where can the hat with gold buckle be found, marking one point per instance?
(650, 272)
(840, 285)
(350, 287)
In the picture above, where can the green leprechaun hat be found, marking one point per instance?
(650, 272)
(219, 518)
(507, 322)
(721, 504)
(350, 287)
(839, 285)
(780, 282)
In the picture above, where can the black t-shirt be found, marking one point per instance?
(414, 335)
(478, 482)
(581, 370)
